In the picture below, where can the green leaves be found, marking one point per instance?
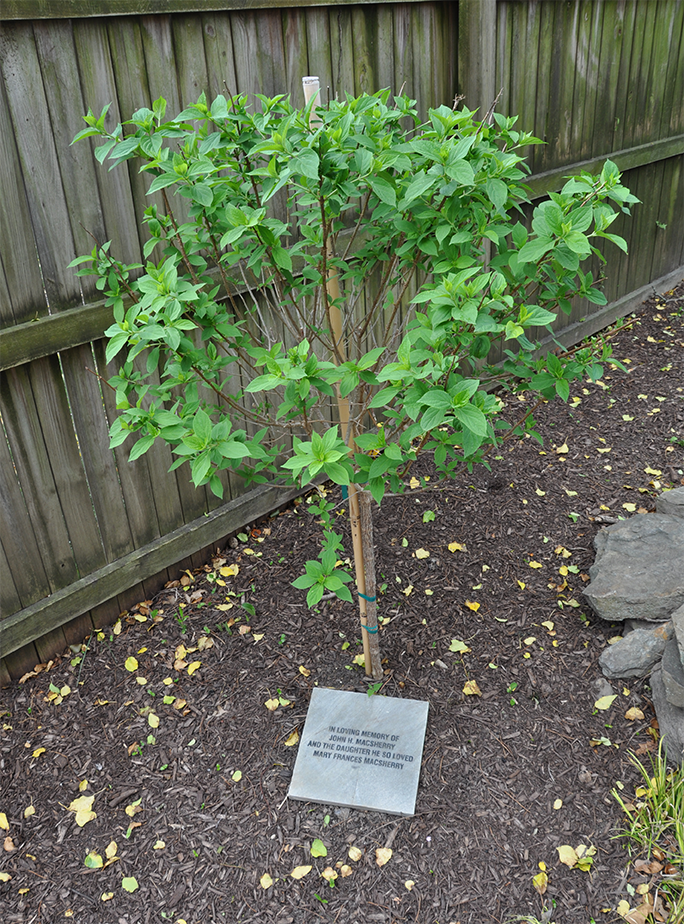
(374, 205)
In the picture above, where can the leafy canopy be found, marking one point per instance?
(284, 219)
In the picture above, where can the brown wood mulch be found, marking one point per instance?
(210, 782)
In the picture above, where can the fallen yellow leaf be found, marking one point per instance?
(304, 671)
(634, 713)
(383, 855)
(83, 809)
(345, 871)
(131, 664)
(409, 884)
(271, 704)
(471, 688)
(562, 449)
(195, 665)
(567, 855)
(472, 606)
(540, 882)
(153, 720)
(159, 845)
(293, 739)
(535, 564)
(407, 590)
(38, 752)
(605, 702)
(558, 804)
(300, 871)
(422, 553)
(355, 854)
(4, 824)
(457, 547)
(29, 810)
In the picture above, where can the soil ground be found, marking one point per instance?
(193, 792)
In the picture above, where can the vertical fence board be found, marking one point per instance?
(543, 102)
(319, 55)
(191, 66)
(342, 45)
(160, 63)
(65, 460)
(18, 663)
(24, 86)
(99, 89)
(32, 461)
(87, 406)
(218, 48)
(10, 601)
(58, 65)
(296, 53)
(22, 553)
(19, 257)
(600, 131)
(589, 48)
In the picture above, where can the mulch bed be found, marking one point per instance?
(493, 765)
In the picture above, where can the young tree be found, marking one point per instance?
(326, 223)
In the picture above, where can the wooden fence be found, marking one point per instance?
(85, 533)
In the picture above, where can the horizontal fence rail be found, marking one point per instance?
(85, 534)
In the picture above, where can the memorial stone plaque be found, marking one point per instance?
(360, 751)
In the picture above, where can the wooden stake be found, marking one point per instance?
(371, 643)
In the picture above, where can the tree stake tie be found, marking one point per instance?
(370, 599)
(369, 630)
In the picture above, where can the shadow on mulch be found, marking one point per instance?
(189, 771)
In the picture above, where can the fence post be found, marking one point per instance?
(476, 74)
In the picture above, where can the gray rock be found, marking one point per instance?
(639, 569)
(678, 623)
(601, 687)
(673, 674)
(670, 719)
(637, 653)
(631, 624)
(671, 503)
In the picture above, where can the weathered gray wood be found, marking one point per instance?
(543, 101)
(640, 156)
(477, 53)
(218, 50)
(32, 461)
(62, 9)
(620, 308)
(87, 407)
(342, 53)
(5, 676)
(45, 336)
(21, 551)
(18, 663)
(26, 298)
(31, 623)
(40, 166)
(59, 69)
(191, 66)
(10, 601)
(99, 89)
